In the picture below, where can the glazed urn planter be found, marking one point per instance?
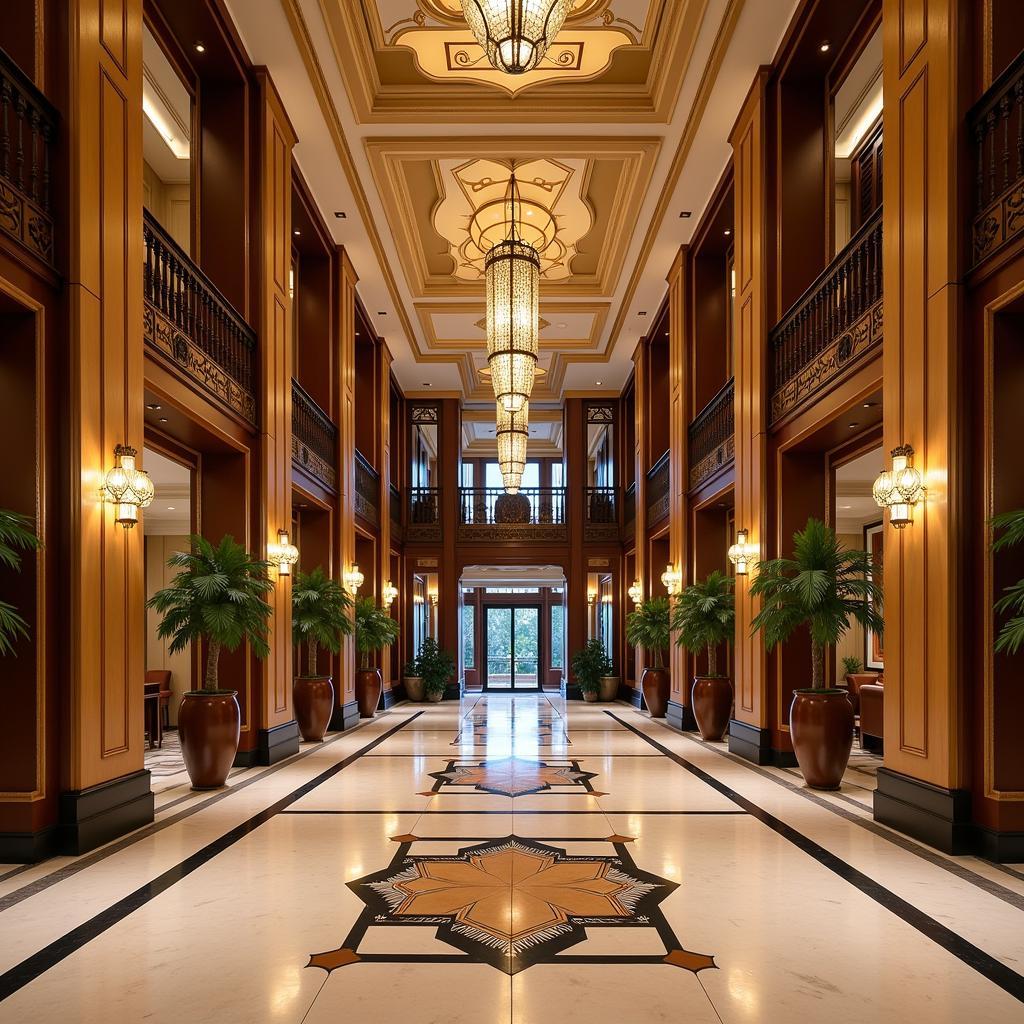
(821, 727)
(414, 688)
(209, 724)
(609, 688)
(591, 696)
(435, 696)
(711, 701)
(314, 704)
(655, 683)
(369, 684)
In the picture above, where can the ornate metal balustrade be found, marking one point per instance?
(832, 326)
(395, 511)
(367, 491)
(602, 514)
(657, 491)
(424, 520)
(534, 514)
(996, 128)
(190, 323)
(629, 512)
(28, 133)
(713, 436)
(314, 439)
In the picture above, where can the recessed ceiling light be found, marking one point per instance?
(163, 419)
(382, 312)
(154, 406)
(845, 508)
(870, 405)
(728, 231)
(852, 425)
(200, 48)
(561, 327)
(643, 312)
(599, 383)
(685, 214)
(825, 46)
(296, 232)
(171, 508)
(426, 384)
(341, 215)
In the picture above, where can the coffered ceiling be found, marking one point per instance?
(405, 130)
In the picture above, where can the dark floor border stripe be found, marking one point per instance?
(984, 963)
(32, 967)
(526, 814)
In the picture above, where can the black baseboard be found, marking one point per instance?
(344, 717)
(631, 695)
(680, 717)
(246, 758)
(94, 816)
(273, 745)
(387, 700)
(452, 692)
(1002, 847)
(29, 847)
(755, 745)
(571, 691)
(939, 817)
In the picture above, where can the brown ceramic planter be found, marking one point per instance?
(435, 696)
(711, 701)
(609, 688)
(656, 690)
(590, 696)
(369, 684)
(209, 725)
(414, 688)
(821, 727)
(314, 703)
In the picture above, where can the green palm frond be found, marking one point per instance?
(705, 616)
(1011, 634)
(650, 627)
(321, 613)
(375, 629)
(590, 664)
(16, 535)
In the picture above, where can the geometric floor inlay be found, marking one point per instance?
(513, 903)
(514, 776)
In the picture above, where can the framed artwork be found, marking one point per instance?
(873, 543)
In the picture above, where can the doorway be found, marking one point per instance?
(512, 648)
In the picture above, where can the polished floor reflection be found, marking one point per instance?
(513, 858)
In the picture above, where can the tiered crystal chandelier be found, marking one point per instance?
(512, 432)
(515, 34)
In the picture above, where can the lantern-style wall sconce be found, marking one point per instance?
(284, 554)
(388, 594)
(354, 579)
(742, 554)
(636, 593)
(672, 580)
(900, 488)
(126, 487)
(433, 598)
(591, 598)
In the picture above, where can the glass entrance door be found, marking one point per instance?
(512, 643)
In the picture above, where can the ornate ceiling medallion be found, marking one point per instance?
(515, 34)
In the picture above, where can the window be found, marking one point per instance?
(492, 476)
(557, 474)
(557, 636)
(467, 474)
(468, 636)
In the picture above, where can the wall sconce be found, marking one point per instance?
(388, 594)
(433, 598)
(127, 487)
(591, 598)
(636, 593)
(284, 553)
(672, 580)
(900, 488)
(742, 553)
(354, 579)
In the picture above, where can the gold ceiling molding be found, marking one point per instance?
(449, 12)
(605, 67)
(414, 177)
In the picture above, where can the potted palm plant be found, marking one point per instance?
(375, 630)
(435, 667)
(704, 618)
(590, 666)
(15, 535)
(320, 618)
(413, 681)
(1011, 634)
(649, 627)
(217, 596)
(822, 587)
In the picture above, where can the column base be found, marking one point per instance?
(29, 847)
(94, 816)
(631, 695)
(570, 691)
(755, 745)
(344, 717)
(273, 745)
(680, 717)
(939, 817)
(1002, 847)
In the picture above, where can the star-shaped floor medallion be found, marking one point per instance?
(513, 776)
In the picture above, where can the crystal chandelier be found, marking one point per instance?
(515, 34)
(512, 432)
(512, 275)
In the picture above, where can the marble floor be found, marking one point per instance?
(513, 858)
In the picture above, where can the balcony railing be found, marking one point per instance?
(395, 511)
(489, 513)
(832, 326)
(713, 436)
(28, 133)
(657, 491)
(190, 323)
(314, 439)
(996, 127)
(424, 518)
(602, 514)
(367, 491)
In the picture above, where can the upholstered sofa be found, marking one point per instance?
(872, 716)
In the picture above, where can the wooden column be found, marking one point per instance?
(105, 789)
(383, 574)
(277, 733)
(574, 435)
(346, 713)
(749, 735)
(679, 712)
(641, 455)
(922, 789)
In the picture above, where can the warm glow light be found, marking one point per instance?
(126, 487)
(284, 554)
(636, 593)
(354, 579)
(157, 118)
(900, 488)
(515, 34)
(742, 554)
(851, 137)
(388, 594)
(672, 580)
(512, 431)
